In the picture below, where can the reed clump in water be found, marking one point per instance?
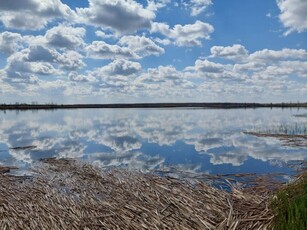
(65, 194)
(290, 135)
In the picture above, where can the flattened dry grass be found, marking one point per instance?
(292, 140)
(65, 194)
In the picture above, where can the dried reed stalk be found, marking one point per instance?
(65, 194)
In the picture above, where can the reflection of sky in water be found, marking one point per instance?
(210, 141)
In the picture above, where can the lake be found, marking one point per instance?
(210, 141)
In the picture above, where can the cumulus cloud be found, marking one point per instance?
(141, 46)
(65, 37)
(19, 70)
(262, 71)
(199, 6)
(277, 55)
(76, 77)
(163, 82)
(123, 16)
(160, 74)
(233, 52)
(33, 60)
(208, 67)
(10, 42)
(121, 67)
(102, 50)
(38, 60)
(128, 47)
(157, 4)
(39, 54)
(184, 35)
(115, 77)
(293, 15)
(70, 60)
(163, 41)
(32, 14)
(104, 35)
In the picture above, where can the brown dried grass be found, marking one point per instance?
(65, 194)
(291, 140)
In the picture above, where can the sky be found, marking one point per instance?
(126, 51)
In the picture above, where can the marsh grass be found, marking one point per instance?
(301, 115)
(285, 129)
(290, 205)
(293, 135)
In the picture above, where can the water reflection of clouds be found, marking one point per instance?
(130, 160)
(217, 134)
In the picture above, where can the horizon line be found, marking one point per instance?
(221, 105)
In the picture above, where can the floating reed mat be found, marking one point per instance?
(66, 194)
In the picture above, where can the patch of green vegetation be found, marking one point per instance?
(290, 206)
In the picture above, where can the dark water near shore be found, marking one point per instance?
(195, 140)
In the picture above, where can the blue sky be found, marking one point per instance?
(103, 51)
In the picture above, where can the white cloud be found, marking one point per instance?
(264, 71)
(229, 52)
(18, 69)
(186, 35)
(39, 54)
(206, 66)
(31, 40)
(74, 76)
(32, 14)
(163, 82)
(103, 35)
(249, 66)
(102, 50)
(116, 77)
(156, 5)
(160, 74)
(10, 42)
(199, 6)
(195, 7)
(293, 15)
(70, 60)
(36, 61)
(141, 46)
(123, 16)
(163, 41)
(277, 55)
(121, 67)
(128, 47)
(65, 37)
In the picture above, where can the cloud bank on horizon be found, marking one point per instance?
(104, 51)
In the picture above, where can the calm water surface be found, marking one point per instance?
(195, 140)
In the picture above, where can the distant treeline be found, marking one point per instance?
(219, 105)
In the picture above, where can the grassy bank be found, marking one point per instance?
(290, 205)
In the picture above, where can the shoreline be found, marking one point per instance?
(219, 105)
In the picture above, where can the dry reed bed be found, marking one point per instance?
(291, 140)
(65, 194)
